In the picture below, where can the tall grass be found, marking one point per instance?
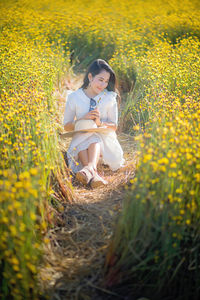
(155, 247)
(154, 49)
(29, 156)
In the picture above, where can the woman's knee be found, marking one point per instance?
(92, 145)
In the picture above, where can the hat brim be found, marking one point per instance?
(102, 130)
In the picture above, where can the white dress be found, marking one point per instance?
(76, 107)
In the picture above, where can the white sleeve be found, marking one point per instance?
(70, 110)
(113, 111)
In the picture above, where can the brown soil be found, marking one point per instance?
(74, 258)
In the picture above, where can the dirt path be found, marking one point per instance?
(74, 259)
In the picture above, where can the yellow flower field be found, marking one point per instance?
(154, 49)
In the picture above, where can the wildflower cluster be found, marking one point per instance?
(29, 152)
(160, 220)
(19, 244)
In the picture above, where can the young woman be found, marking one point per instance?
(85, 150)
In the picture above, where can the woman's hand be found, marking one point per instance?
(98, 121)
(91, 115)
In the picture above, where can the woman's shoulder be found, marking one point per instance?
(110, 94)
(73, 95)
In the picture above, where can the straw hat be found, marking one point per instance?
(85, 126)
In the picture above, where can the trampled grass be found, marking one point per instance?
(154, 48)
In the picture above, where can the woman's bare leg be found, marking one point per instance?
(93, 155)
(90, 156)
(83, 157)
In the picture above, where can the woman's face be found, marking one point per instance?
(99, 82)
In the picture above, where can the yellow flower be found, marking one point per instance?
(197, 177)
(31, 267)
(22, 227)
(136, 127)
(16, 204)
(147, 157)
(163, 160)
(4, 220)
(33, 216)
(15, 261)
(15, 268)
(19, 212)
(192, 192)
(13, 230)
(173, 165)
(19, 275)
(33, 171)
(46, 240)
(179, 191)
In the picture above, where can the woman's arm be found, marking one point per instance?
(96, 118)
(106, 124)
(69, 114)
(112, 117)
(69, 126)
(92, 115)
(109, 125)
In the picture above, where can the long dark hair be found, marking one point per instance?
(95, 68)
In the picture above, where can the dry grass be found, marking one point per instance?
(74, 258)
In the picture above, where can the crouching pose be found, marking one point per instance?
(91, 113)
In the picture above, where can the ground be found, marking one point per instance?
(74, 259)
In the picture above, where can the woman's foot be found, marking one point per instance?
(85, 175)
(97, 181)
